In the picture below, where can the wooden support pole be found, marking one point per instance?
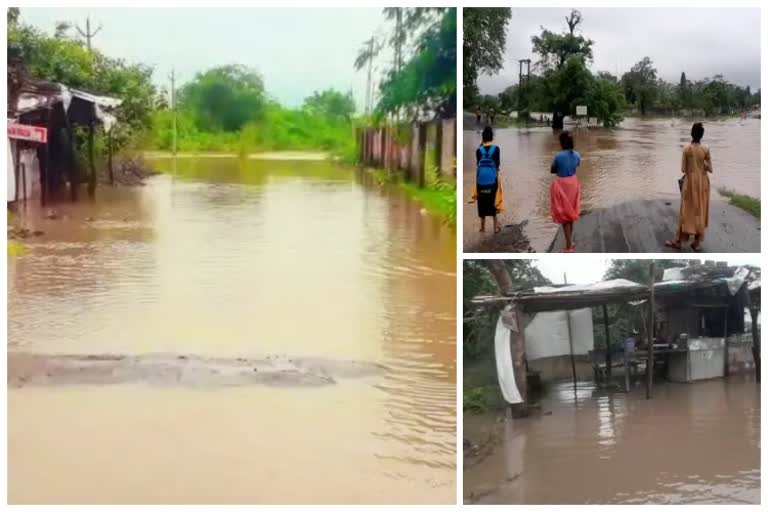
(726, 365)
(16, 167)
(626, 367)
(520, 365)
(74, 168)
(422, 148)
(570, 344)
(109, 158)
(91, 162)
(753, 312)
(607, 343)
(649, 366)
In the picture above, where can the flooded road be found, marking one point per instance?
(639, 160)
(165, 297)
(691, 443)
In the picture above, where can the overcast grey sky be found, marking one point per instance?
(296, 50)
(587, 269)
(700, 41)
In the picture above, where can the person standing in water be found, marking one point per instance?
(565, 192)
(487, 182)
(694, 193)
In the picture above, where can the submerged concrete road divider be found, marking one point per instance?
(29, 369)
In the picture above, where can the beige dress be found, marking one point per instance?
(694, 200)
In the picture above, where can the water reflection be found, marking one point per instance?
(691, 443)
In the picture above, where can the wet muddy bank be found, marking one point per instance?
(693, 443)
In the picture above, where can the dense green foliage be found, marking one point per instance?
(479, 323)
(224, 98)
(424, 85)
(485, 36)
(563, 80)
(68, 61)
(221, 109)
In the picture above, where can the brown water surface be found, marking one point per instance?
(233, 261)
(691, 443)
(639, 160)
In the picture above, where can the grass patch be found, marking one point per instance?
(745, 202)
(437, 196)
(478, 399)
(15, 248)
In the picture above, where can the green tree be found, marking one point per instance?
(554, 49)
(331, 103)
(12, 15)
(426, 85)
(485, 36)
(640, 84)
(67, 61)
(478, 280)
(224, 98)
(605, 101)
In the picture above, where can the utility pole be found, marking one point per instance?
(173, 108)
(87, 33)
(522, 86)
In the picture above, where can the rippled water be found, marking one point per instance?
(639, 160)
(237, 259)
(691, 443)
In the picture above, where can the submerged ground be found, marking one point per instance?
(696, 443)
(236, 331)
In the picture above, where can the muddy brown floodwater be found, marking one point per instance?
(240, 332)
(639, 160)
(691, 443)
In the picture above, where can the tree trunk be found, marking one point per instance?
(517, 340)
(500, 274)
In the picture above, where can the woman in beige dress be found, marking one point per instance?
(694, 196)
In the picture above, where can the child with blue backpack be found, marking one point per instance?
(487, 182)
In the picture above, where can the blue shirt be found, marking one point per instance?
(566, 162)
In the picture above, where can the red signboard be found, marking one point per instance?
(27, 132)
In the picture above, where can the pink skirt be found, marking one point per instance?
(565, 199)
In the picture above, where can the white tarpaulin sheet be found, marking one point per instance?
(601, 286)
(504, 368)
(547, 334)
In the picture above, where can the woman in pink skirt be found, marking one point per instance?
(565, 193)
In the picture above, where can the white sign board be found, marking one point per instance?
(581, 110)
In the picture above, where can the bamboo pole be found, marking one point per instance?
(649, 366)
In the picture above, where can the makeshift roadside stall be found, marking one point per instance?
(693, 321)
(43, 118)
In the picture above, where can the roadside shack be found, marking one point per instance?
(44, 121)
(694, 323)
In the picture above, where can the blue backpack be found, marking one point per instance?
(487, 172)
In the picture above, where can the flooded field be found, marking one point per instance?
(257, 331)
(691, 443)
(639, 160)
